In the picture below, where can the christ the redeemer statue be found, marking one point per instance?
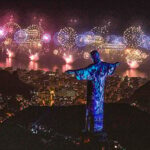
(96, 74)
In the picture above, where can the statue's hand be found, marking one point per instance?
(69, 72)
(117, 64)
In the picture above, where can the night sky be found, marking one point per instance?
(121, 13)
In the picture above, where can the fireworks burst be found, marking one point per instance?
(114, 39)
(86, 55)
(133, 36)
(34, 57)
(55, 52)
(55, 39)
(8, 41)
(33, 43)
(68, 58)
(9, 53)
(102, 30)
(46, 38)
(20, 36)
(146, 42)
(66, 37)
(80, 40)
(11, 28)
(34, 33)
(89, 38)
(134, 57)
(98, 41)
(3, 32)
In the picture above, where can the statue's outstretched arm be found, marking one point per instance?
(81, 74)
(112, 67)
(70, 72)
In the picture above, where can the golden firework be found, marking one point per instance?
(133, 36)
(66, 37)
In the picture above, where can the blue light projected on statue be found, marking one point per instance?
(96, 74)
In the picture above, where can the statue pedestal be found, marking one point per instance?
(100, 136)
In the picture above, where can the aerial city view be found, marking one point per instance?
(74, 75)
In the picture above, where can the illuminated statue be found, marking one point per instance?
(96, 74)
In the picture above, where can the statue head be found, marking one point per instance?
(95, 56)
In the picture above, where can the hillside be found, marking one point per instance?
(126, 124)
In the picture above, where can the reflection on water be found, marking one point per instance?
(2, 65)
(134, 73)
(8, 62)
(55, 68)
(32, 65)
(66, 67)
(45, 69)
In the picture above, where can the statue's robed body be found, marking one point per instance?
(96, 74)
